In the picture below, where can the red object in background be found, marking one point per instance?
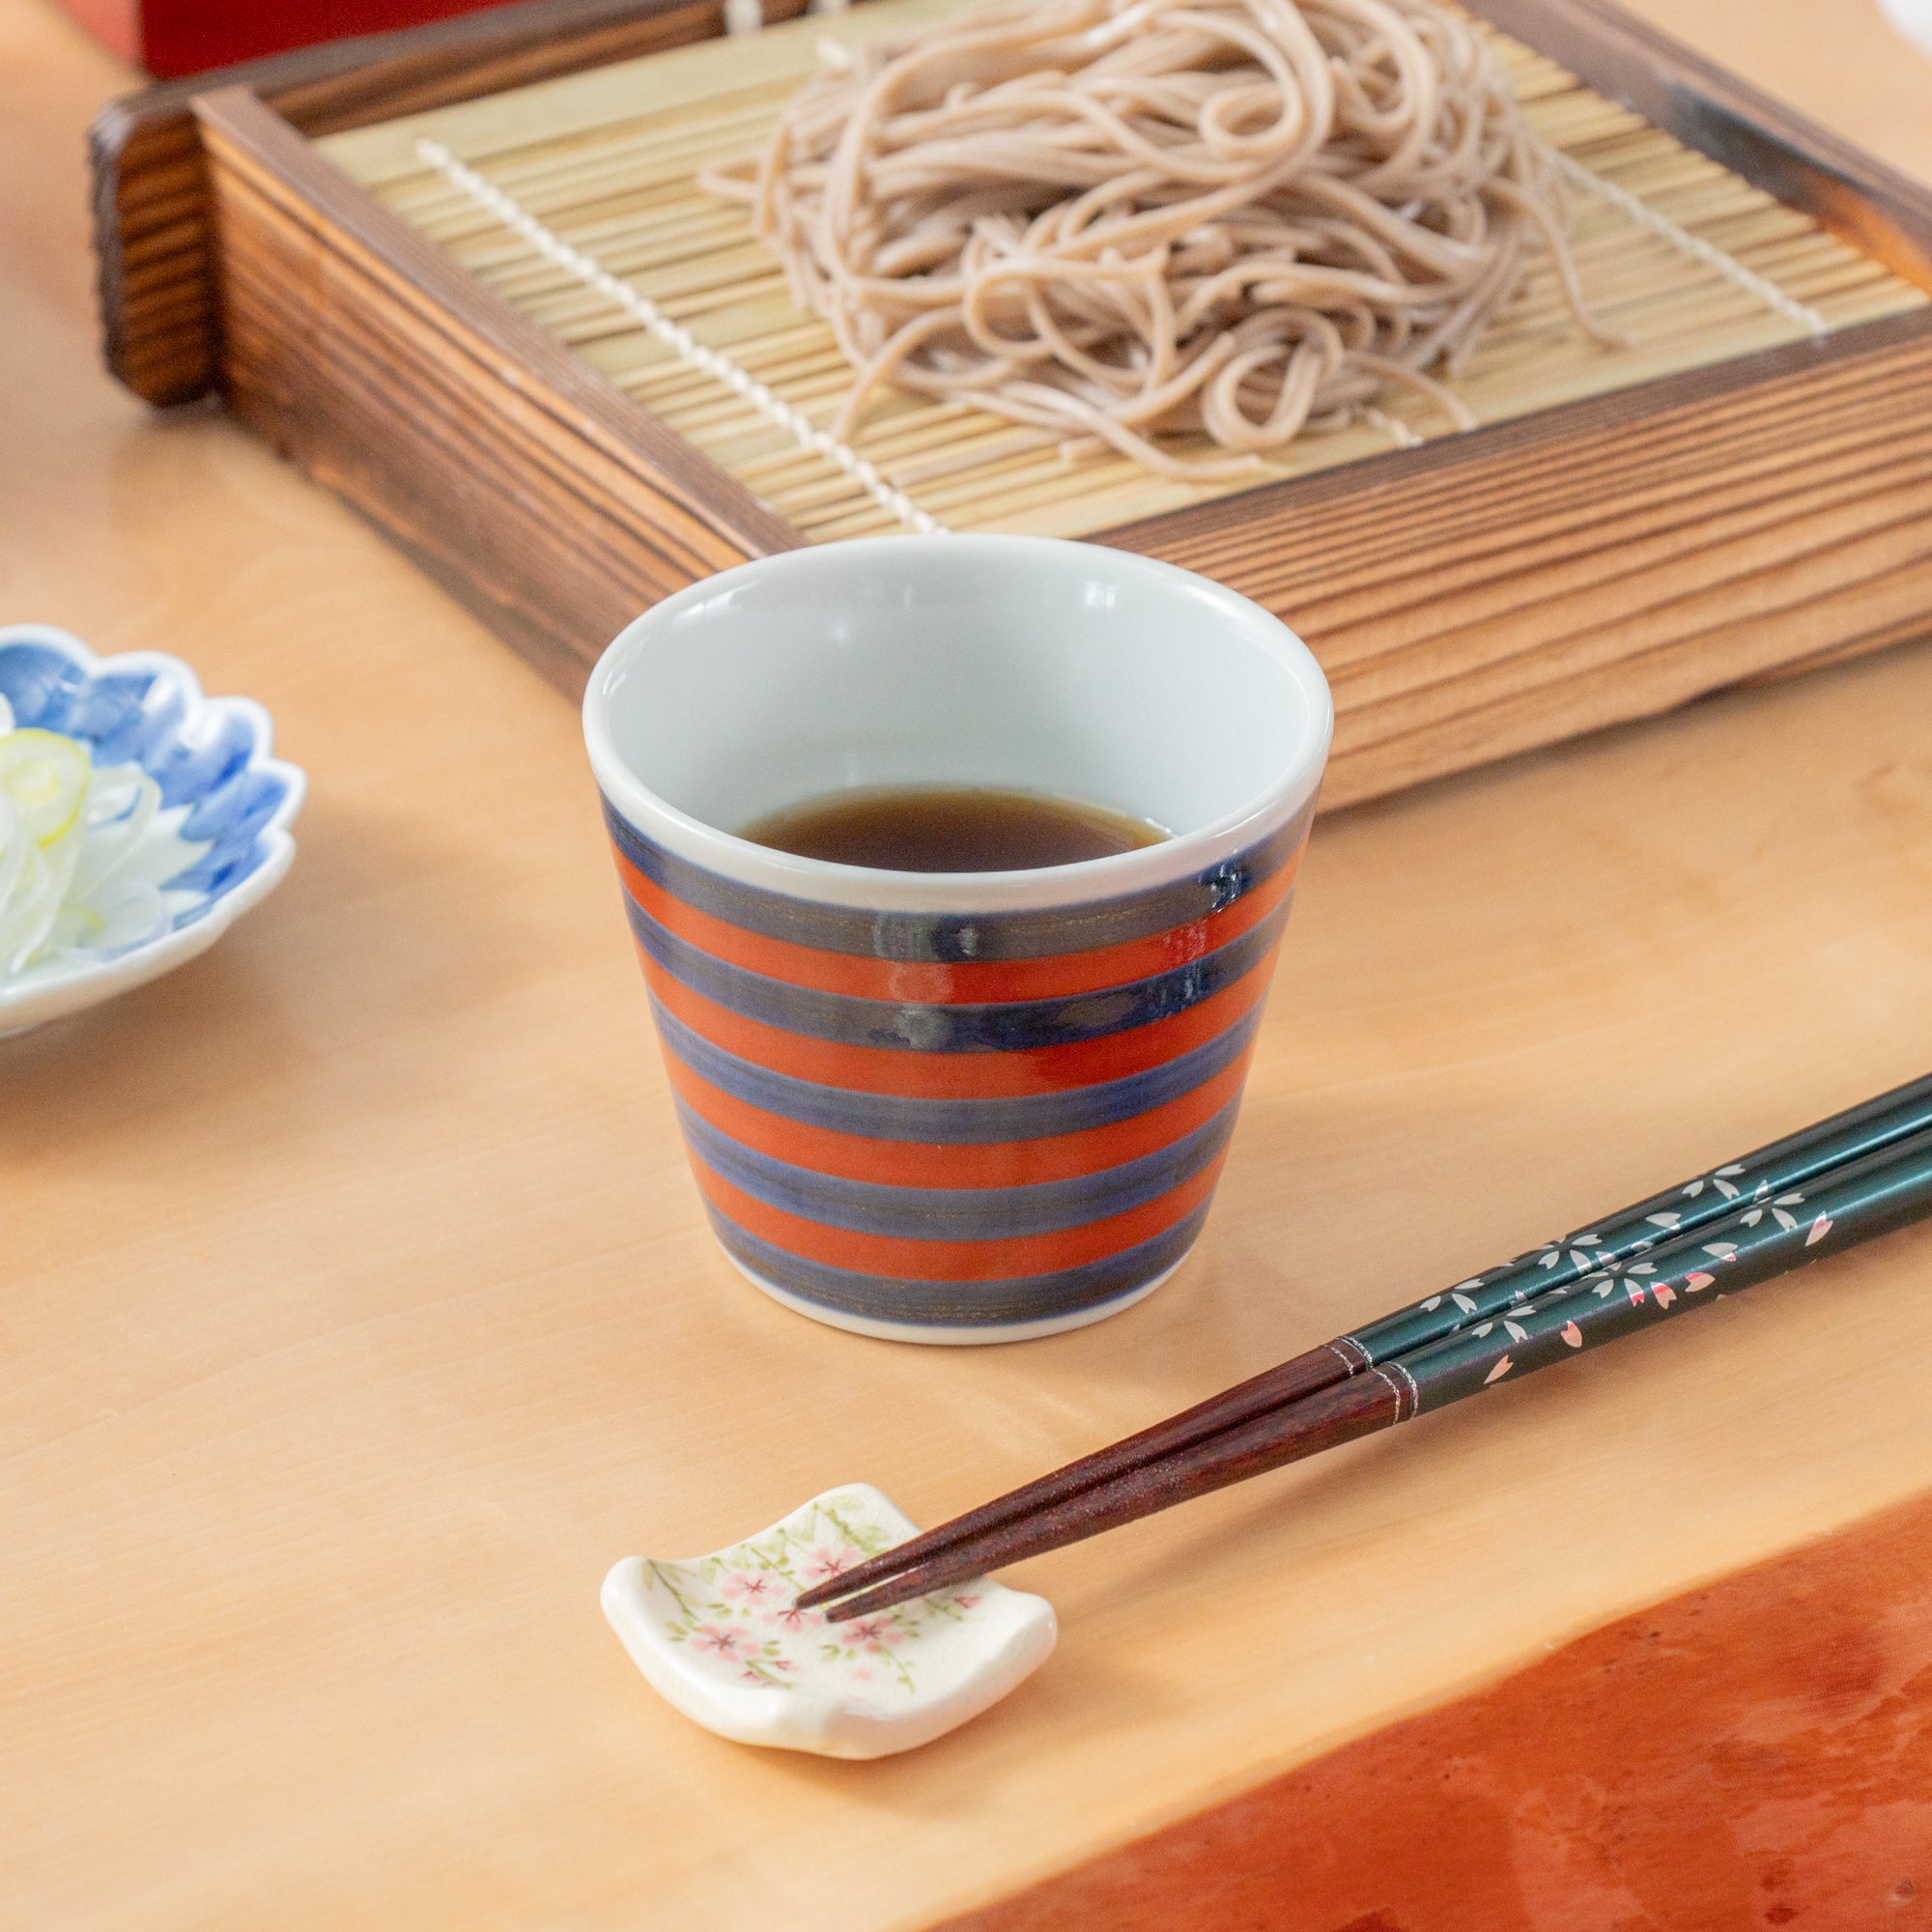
(176, 36)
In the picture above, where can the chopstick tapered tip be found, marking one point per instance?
(844, 1598)
(821, 1593)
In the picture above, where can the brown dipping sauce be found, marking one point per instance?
(950, 829)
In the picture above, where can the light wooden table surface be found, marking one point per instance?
(357, 1309)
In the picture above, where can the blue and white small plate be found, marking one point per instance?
(220, 842)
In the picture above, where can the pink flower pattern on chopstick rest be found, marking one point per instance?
(721, 1637)
(734, 1610)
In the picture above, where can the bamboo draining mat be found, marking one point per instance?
(1688, 260)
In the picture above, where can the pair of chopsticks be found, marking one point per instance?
(1844, 1180)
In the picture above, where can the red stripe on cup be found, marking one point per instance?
(959, 1076)
(982, 1164)
(990, 982)
(955, 1260)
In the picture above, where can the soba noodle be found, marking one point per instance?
(1134, 219)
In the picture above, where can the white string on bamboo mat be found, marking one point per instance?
(1394, 428)
(895, 503)
(593, 274)
(1694, 245)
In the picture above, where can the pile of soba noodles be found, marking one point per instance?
(1139, 221)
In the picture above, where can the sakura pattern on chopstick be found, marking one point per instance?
(1762, 1238)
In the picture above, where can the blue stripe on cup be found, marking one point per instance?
(1008, 1027)
(890, 1116)
(961, 1304)
(953, 939)
(958, 1213)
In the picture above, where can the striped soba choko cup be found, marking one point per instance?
(958, 1106)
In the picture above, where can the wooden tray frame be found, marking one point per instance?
(1487, 593)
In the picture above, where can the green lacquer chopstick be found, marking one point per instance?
(1758, 1240)
(1632, 1232)
(1623, 1237)
(1763, 1237)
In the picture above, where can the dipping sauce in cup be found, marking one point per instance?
(958, 1106)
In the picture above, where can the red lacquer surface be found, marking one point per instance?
(1755, 1754)
(178, 37)
(115, 24)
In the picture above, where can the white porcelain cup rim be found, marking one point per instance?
(1145, 582)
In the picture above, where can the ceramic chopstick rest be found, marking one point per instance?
(718, 1638)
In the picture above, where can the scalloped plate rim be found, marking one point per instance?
(51, 998)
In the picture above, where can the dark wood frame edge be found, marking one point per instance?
(153, 254)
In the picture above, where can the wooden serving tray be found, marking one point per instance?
(1610, 543)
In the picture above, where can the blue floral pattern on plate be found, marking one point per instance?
(224, 799)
